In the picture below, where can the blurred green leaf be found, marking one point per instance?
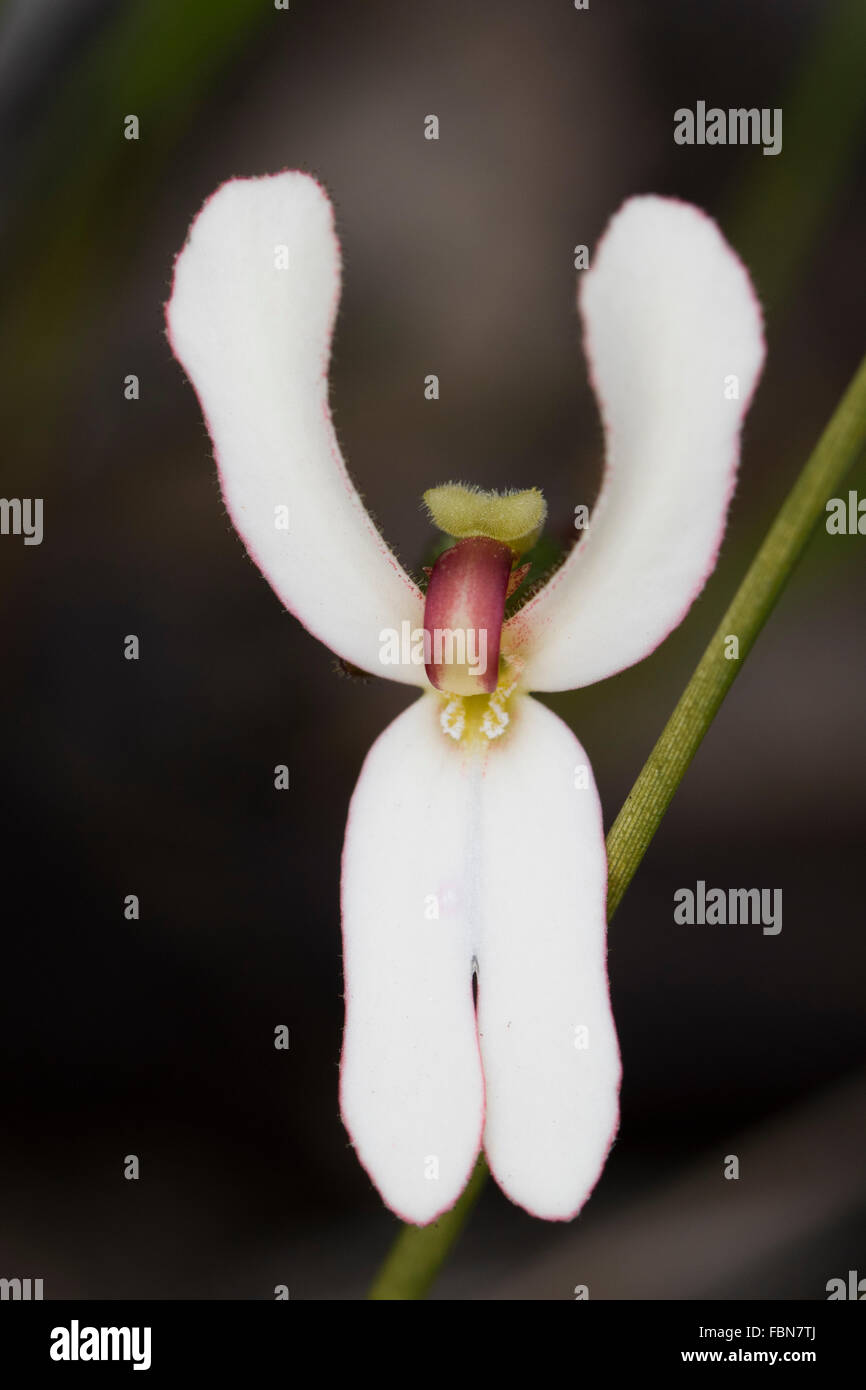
(781, 208)
(86, 189)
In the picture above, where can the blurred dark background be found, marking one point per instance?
(155, 1037)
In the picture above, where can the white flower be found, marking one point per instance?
(473, 843)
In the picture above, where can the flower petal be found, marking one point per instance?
(672, 329)
(548, 1044)
(255, 295)
(411, 1092)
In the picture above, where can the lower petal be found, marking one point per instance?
(411, 1090)
(548, 1044)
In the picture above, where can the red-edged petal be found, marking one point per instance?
(548, 1042)
(674, 338)
(252, 309)
(411, 1091)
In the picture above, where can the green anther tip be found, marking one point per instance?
(514, 518)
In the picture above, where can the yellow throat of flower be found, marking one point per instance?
(478, 719)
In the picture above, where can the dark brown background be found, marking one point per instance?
(155, 1037)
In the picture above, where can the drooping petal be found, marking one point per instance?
(548, 1044)
(255, 295)
(673, 335)
(411, 1092)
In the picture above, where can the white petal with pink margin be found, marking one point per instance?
(252, 309)
(673, 334)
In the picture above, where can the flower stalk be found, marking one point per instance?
(418, 1253)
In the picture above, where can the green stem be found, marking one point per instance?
(419, 1252)
(835, 453)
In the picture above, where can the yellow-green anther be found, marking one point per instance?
(514, 518)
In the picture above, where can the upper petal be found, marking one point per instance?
(411, 1091)
(674, 338)
(252, 309)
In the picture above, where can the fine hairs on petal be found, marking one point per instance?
(254, 336)
(445, 878)
(673, 335)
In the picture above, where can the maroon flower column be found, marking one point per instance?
(463, 616)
